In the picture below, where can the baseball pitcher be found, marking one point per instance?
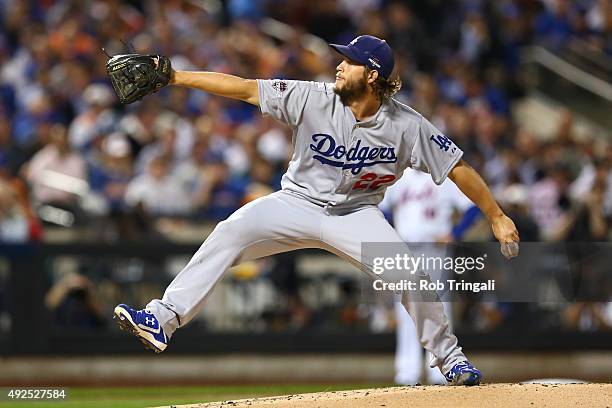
(351, 141)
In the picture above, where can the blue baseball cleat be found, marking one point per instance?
(464, 373)
(142, 324)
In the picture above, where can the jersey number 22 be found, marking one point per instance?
(372, 181)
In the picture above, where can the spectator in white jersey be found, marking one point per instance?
(416, 200)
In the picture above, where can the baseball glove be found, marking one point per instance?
(134, 75)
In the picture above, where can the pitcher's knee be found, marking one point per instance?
(232, 229)
(226, 228)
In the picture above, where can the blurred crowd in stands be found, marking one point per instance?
(69, 152)
(71, 155)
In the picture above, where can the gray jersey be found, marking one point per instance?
(340, 162)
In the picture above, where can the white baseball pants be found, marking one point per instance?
(284, 221)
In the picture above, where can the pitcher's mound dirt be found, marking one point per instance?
(493, 395)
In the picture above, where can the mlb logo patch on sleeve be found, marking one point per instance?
(279, 87)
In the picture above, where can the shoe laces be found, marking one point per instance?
(466, 366)
(463, 365)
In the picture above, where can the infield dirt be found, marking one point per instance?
(489, 395)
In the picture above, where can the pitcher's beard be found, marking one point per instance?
(351, 91)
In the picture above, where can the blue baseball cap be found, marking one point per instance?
(370, 51)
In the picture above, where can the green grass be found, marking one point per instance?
(132, 397)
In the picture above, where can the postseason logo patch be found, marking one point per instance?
(279, 87)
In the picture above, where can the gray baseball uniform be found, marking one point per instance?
(338, 174)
